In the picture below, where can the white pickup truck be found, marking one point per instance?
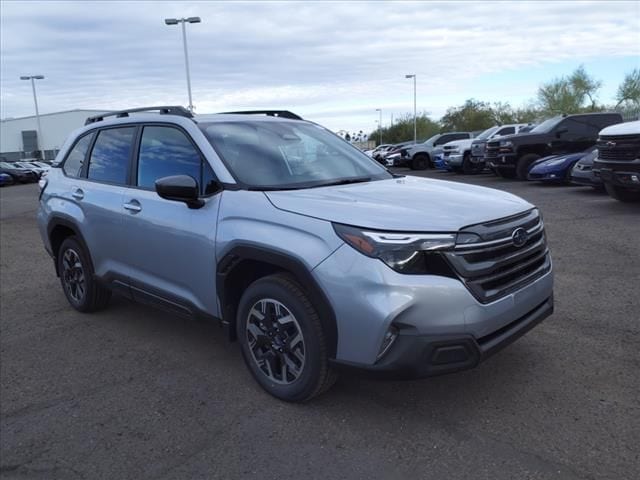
(467, 156)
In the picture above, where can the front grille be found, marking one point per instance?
(492, 149)
(477, 149)
(495, 267)
(619, 148)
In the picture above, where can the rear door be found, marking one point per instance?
(171, 247)
(98, 191)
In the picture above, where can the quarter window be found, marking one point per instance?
(75, 159)
(110, 155)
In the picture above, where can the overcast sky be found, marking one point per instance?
(332, 62)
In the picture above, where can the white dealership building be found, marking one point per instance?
(18, 136)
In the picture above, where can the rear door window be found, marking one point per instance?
(110, 156)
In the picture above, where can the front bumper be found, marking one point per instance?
(454, 160)
(546, 177)
(503, 160)
(623, 174)
(585, 177)
(368, 297)
(420, 356)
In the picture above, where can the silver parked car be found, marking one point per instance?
(308, 252)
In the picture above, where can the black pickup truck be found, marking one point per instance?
(511, 156)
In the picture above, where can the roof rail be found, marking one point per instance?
(269, 113)
(164, 110)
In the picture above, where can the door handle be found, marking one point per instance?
(78, 194)
(133, 206)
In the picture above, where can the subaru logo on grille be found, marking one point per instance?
(611, 144)
(519, 237)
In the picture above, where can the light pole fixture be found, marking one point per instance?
(380, 124)
(415, 125)
(35, 101)
(183, 22)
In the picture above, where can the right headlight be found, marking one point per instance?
(404, 252)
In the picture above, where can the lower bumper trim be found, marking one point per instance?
(421, 356)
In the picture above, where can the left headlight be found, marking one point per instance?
(506, 143)
(403, 252)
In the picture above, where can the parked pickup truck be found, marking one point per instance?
(422, 155)
(618, 161)
(512, 156)
(462, 156)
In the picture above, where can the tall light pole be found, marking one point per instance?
(380, 124)
(183, 22)
(35, 101)
(415, 125)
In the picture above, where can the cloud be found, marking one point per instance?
(332, 60)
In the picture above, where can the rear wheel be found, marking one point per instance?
(523, 165)
(282, 339)
(622, 194)
(420, 162)
(83, 292)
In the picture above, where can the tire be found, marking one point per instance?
(622, 194)
(468, 167)
(505, 172)
(267, 346)
(83, 292)
(523, 165)
(420, 162)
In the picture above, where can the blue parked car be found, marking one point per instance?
(556, 168)
(438, 162)
(5, 179)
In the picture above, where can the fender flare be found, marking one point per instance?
(280, 261)
(57, 221)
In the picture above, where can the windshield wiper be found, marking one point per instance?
(344, 181)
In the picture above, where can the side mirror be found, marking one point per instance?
(561, 131)
(180, 188)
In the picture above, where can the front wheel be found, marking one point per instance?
(420, 162)
(468, 167)
(622, 194)
(282, 339)
(524, 164)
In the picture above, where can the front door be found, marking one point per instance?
(171, 248)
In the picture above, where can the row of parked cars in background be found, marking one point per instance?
(595, 149)
(24, 171)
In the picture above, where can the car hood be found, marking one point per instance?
(549, 162)
(519, 138)
(402, 204)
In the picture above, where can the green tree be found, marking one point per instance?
(402, 129)
(629, 89)
(569, 94)
(472, 115)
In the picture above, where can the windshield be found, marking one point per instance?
(6, 165)
(281, 154)
(432, 139)
(547, 125)
(487, 133)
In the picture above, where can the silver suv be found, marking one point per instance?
(308, 252)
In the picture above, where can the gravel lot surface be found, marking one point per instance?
(132, 392)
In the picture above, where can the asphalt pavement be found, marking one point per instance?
(132, 392)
